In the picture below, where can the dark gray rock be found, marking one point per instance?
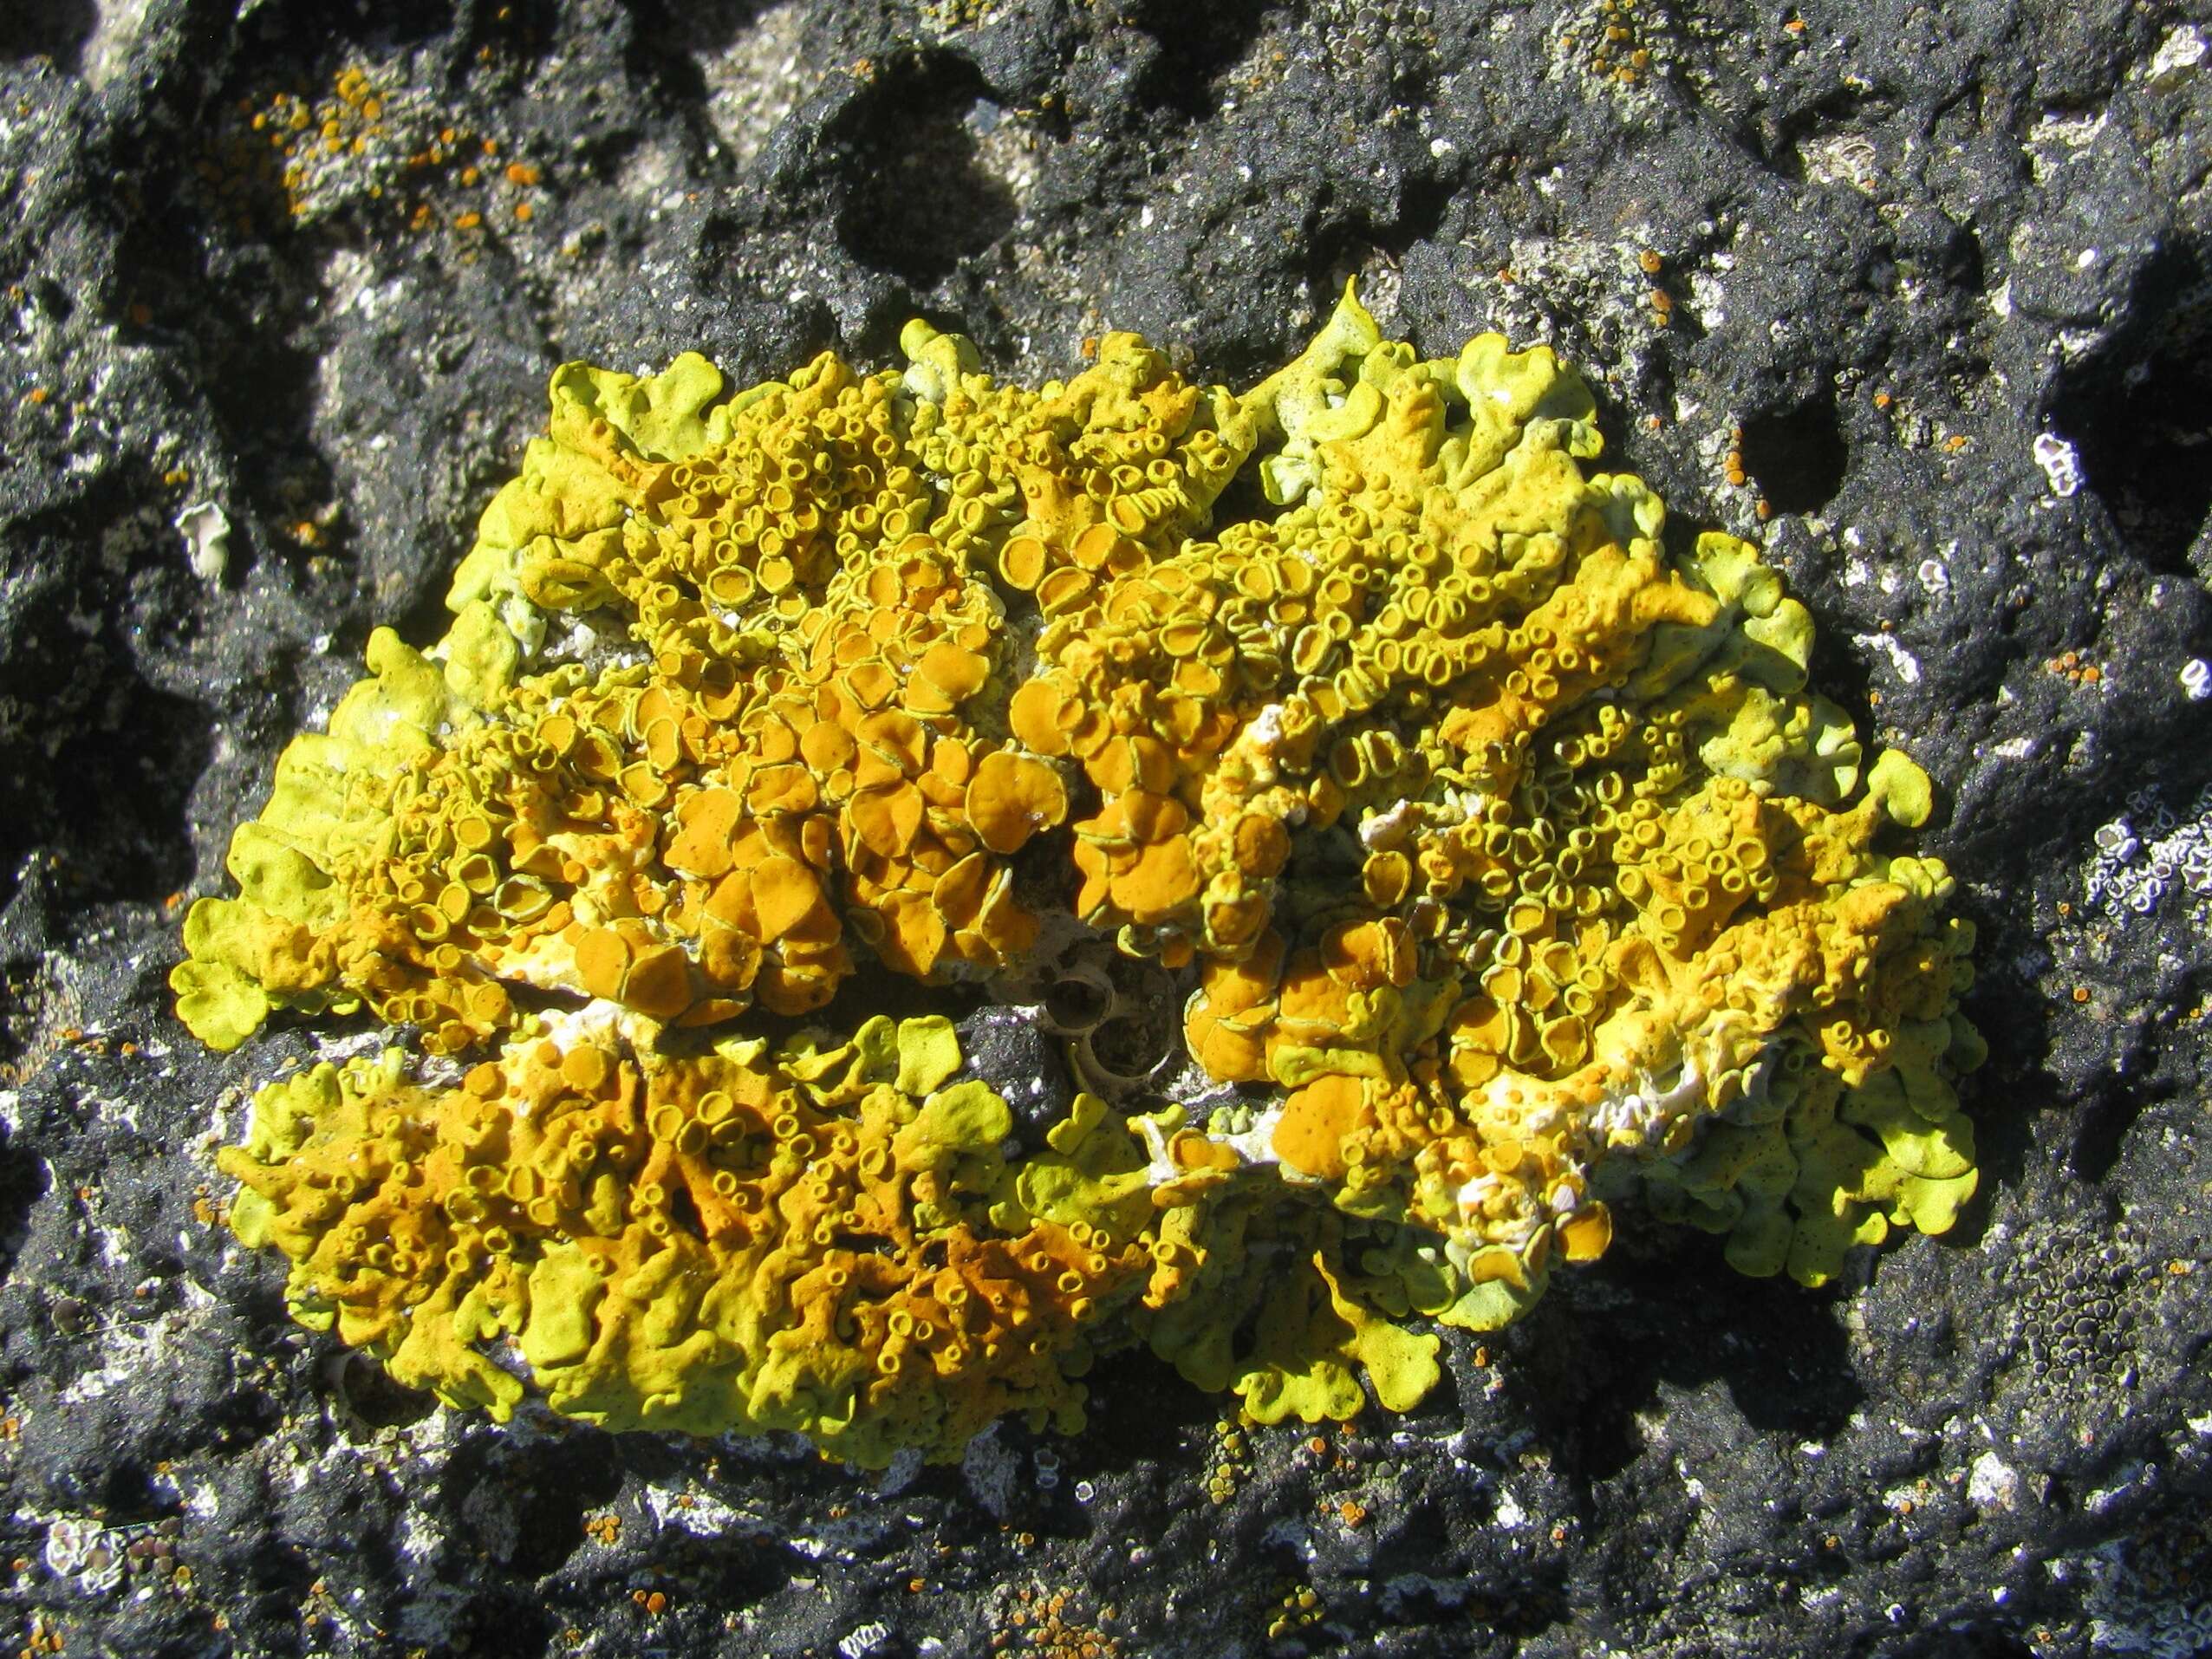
(1941, 279)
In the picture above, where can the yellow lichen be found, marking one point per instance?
(1506, 868)
(733, 1240)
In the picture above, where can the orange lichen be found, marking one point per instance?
(1491, 853)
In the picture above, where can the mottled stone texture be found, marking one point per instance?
(1861, 256)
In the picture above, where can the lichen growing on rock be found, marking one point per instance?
(1508, 870)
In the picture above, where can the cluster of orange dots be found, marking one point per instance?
(1661, 302)
(291, 138)
(1732, 468)
(1619, 52)
(1042, 1620)
(1336, 1456)
(1338, 1459)
(2070, 666)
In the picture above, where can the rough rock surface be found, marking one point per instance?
(1934, 283)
